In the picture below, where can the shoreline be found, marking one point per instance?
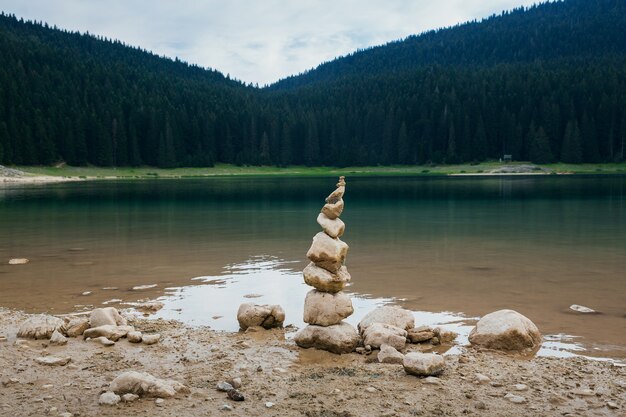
(276, 374)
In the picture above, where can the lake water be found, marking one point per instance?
(450, 249)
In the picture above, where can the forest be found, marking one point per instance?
(545, 83)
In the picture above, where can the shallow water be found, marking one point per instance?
(450, 249)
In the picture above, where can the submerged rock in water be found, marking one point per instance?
(324, 280)
(379, 334)
(582, 309)
(339, 338)
(40, 327)
(423, 364)
(146, 385)
(326, 309)
(393, 316)
(505, 330)
(18, 261)
(106, 316)
(266, 316)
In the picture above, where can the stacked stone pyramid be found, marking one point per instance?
(327, 305)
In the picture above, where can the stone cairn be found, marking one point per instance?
(327, 305)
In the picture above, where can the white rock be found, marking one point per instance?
(18, 261)
(159, 402)
(134, 337)
(379, 334)
(39, 327)
(340, 338)
(103, 341)
(516, 399)
(393, 316)
(109, 398)
(57, 338)
(144, 287)
(150, 339)
(327, 253)
(111, 332)
(129, 398)
(482, 379)
(520, 387)
(333, 228)
(107, 315)
(76, 326)
(371, 390)
(505, 330)
(389, 354)
(53, 360)
(144, 384)
(582, 309)
(266, 316)
(326, 309)
(324, 280)
(423, 364)
(431, 380)
(269, 404)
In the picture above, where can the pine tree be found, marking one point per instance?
(403, 145)
(540, 152)
(451, 157)
(572, 150)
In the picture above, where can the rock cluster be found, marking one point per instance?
(327, 305)
(386, 325)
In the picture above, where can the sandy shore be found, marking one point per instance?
(280, 379)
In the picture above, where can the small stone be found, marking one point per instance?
(3, 338)
(47, 386)
(423, 364)
(235, 395)
(103, 341)
(235, 382)
(393, 316)
(418, 336)
(134, 337)
(280, 370)
(481, 379)
(612, 405)
(53, 360)
(223, 386)
(479, 405)
(431, 380)
(129, 398)
(333, 228)
(340, 338)
(360, 350)
(371, 389)
(144, 287)
(520, 387)
(515, 399)
(144, 384)
(226, 407)
(58, 339)
(389, 354)
(324, 280)
(150, 339)
(327, 253)
(66, 415)
(76, 326)
(269, 404)
(379, 334)
(86, 293)
(266, 316)
(326, 309)
(435, 341)
(18, 261)
(159, 402)
(109, 398)
(584, 392)
(582, 309)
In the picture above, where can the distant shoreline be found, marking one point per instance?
(46, 175)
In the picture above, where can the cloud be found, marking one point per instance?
(255, 41)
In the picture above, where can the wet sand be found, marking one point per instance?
(298, 382)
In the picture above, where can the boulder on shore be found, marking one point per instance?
(339, 338)
(266, 316)
(327, 253)
(423, 364)
(326, 309)
(40, 326)
(107, 315)
(75, 326)
(505, 330)
(146, 385)
(379, 334)
(394, 316)
(389, 354)
(324, 280)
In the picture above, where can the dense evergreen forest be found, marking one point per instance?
(545, 83)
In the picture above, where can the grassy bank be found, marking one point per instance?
(232, 170)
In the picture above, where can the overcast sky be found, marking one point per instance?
(258, 41)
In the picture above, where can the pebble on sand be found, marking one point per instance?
(18, 261)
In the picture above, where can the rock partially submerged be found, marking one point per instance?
(582, 309)
(339, 338)
(18, 261)
(40, 327)
(505, 330)
(423, 364)
(266, 316)
(146, 385)
(106, 316)
(393, 316)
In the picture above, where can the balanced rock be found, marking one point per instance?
(75, 326)
(108, 315)
(111, 332)
(327, 253)
(333, 228)
(339, 338)
(266, 316)
(423, 364)
(394, 316)
(338, 193)
(326, 309)
(333, 210)
(324, 280)
(389, 354)
(505, 330)
(379, 334)
(58, 339)
(146, 385)
(40, 327)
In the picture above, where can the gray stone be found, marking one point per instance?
(76, 326)
(379, 334)
(58, 339)
(340, 338)
(389, 354)
(150, 339)
(416, 335)
(505, 330)
(266, 316)
(324, 280)
(111, 332)
(516, 399)
(223, 386)
(327, 253)
(53, 360)
(326, 309)
(39, 327)
(109, 398)
(146, 385)
(134, 337)
(423, 364)
(129, 398)
(393, 316)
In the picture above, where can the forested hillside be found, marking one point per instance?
(543, 84)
